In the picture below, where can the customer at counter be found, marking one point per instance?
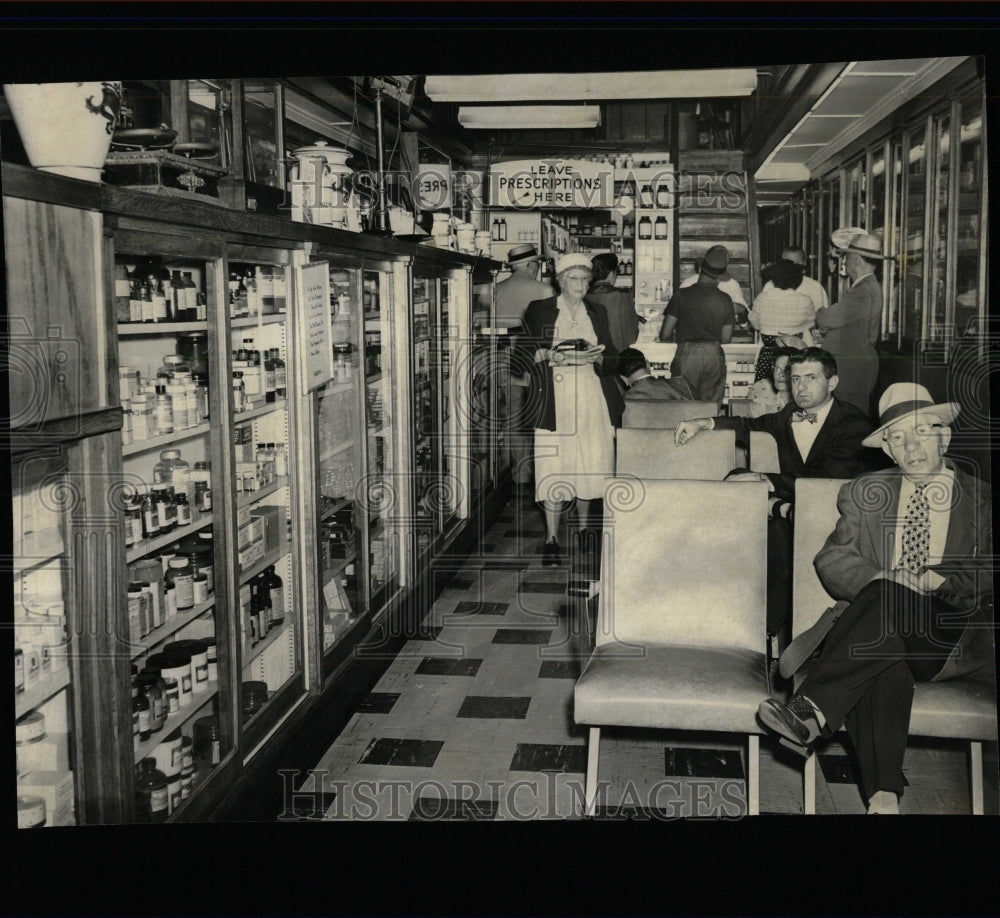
(702, 316)
(623, 321)
(727, 284)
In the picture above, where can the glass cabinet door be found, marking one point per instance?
(425, 393)
(969, 273)
(937, 251)
(912, 261)
(263, 393)
(43, 676)
(339, 460)
(173, 500)
(480, 415)
(448, 489)
(381, 483)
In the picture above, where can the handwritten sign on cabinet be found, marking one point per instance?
(315, 343)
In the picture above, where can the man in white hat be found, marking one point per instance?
(911, 561)
(512, 298)
(852, 326)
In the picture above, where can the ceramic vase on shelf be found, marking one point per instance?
(66, 128)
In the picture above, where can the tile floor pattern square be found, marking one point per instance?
(473, 720)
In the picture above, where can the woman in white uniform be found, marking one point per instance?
(574, 399)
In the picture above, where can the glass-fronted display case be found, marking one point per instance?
(263, 389)
(969, 276)
(43, 619)
(425, 391)
(340, 456)
(912, 264)
(178, 595)
(480, 389)
(209, 119)
(381, 484)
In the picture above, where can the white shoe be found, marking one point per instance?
(883, 802)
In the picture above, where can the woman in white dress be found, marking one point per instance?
(574, 399)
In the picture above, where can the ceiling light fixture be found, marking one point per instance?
(529, 116)
(589, 87)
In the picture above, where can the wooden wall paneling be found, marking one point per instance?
(657, 127)
(612, 120)
(102, 701)
(633, 121)
(58, 340)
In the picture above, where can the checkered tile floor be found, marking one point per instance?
(474, 721)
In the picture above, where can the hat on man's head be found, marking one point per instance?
(716, 261)
(573, 260)
(849, 239)
(902, 400)
(521, 254)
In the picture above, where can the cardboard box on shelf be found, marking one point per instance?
(51, 753)
(272, 518)
(56, 789)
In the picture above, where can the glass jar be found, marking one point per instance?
(152, 803)
(149, 685)
(181, 577)
(206, 743)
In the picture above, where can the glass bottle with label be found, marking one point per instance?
(275, 587)
(152, 800)
(150, 514)
(123, 293)
(181, 575)
(190, 298)
(280, 376)
(660, 228)
(645, 228)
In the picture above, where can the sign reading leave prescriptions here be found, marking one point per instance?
(551, 183)
(315, 348)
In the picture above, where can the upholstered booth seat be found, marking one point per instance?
(680, 636)
(696, 688)
(652, 454)
(764, 452)
(667, 413)
(962, 708)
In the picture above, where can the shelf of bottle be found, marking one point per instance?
(145, 644)
(41, 691)
(338, 567)
(175, 721)
(159, 328)
(266, 408)
(348, 620)
(271, 558)
(164, 440)
(335, 507)
(330, 453)
(250, 497)
(251, 652)
(37, 548)
(148, 546)
(252, 321)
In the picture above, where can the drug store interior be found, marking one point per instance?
(266, 547)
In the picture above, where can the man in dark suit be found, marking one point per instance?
(818, 436)
(912, 555)
(642, 385)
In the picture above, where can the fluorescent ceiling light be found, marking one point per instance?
(530, 116)
(569, 87)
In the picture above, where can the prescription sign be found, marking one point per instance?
(551, 183)
(433, 183)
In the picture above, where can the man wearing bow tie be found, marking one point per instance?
(818, 436)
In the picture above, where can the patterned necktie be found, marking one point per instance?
(804, 416)
(916, 532)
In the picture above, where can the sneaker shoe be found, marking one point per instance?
(550, 553)
(795, 721)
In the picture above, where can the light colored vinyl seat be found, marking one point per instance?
(680, 638)
(764, 452)
(667, 413)
(651, 454)
(962, 708)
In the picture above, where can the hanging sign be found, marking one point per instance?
(314, 336)
(551, 183)
(433, 181)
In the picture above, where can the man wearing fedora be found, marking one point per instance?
(911, 563)
(719, 254)
(512, 298)
(703, 318)
(852, 325)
